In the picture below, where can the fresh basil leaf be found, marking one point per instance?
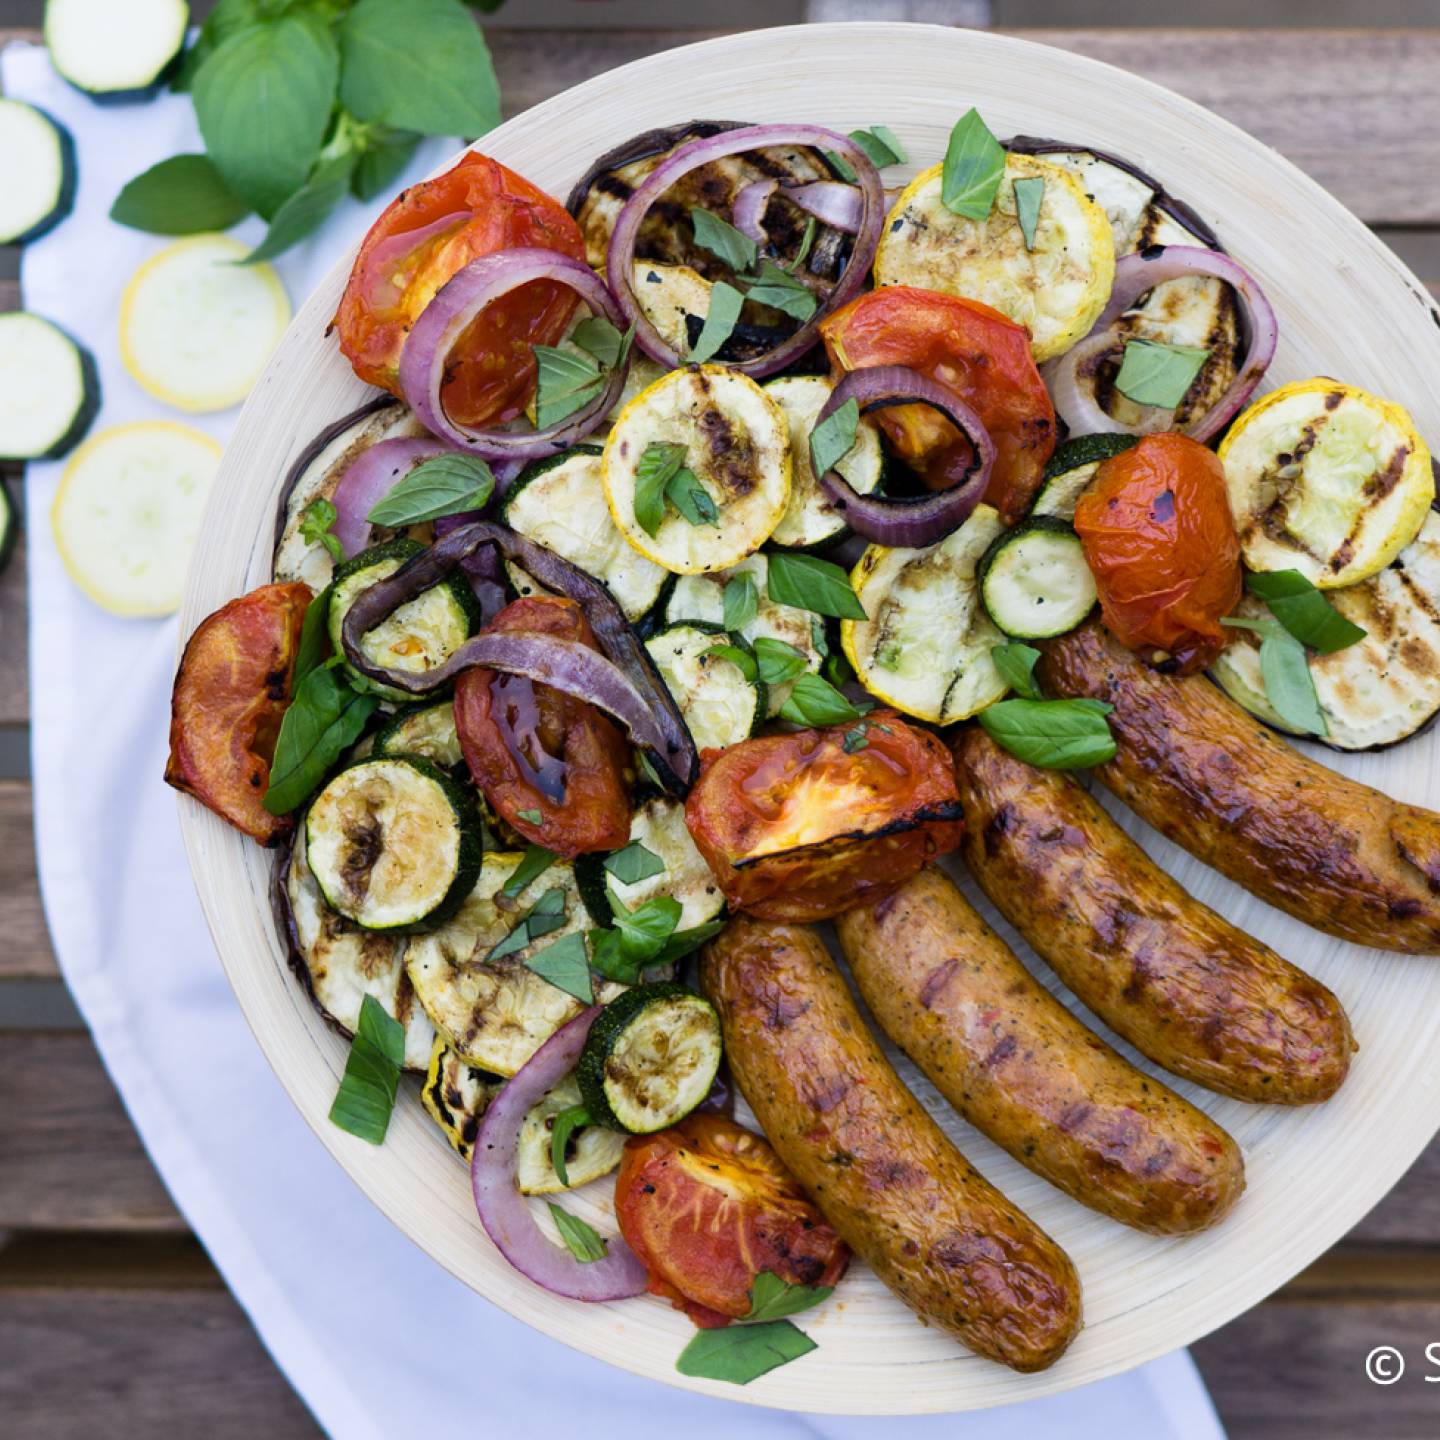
(598, 337)
(566, 965)
(683, 942)
(810, 583)
(607, 959)
(561, 1128)
(647, 927)
(1016, 664)
(1053, 734)
(1028, 195)
(842, 167)
(781, 291)
(1304, 611)
(778, 661)
(723, 240)
(184, 195)
(742, 1353)
(741, 601)
(1158, 375)
(531, 817)
(384, 154)
(1285, 669)
(636, 862)
(813, 701)
(834, 438)
(442, 485)
(580, 1239)
(226, 19)
(372, 1074)
(691, 499)
(322, 721)
(807, 241)
(887, 137)
(647, 770)
(309, 207)
(658, 466)
(565, 383)
(263, 99)
(771, 1298)
(725, 306)
(314, 647)
(818, 637)
(742, 660)
(533, 864)
(880, 144)
(974, 167)
(315, 522)
(418, 65)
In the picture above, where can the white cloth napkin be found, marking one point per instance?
(378, 1339)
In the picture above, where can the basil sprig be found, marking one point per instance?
(777, 661)
(1028, 195)
(816, 702)
(323, 720)
(1285, 669)
(662, 478)
(1304, 611)
(974, 166)
(582, 1240)
(372, 1074)
(315, 522)
(834, 438)
(760, 1342)
(442, 485)
(566, 382)
(1053, 734)
(810, 583)
(1155, 374)
(561, 1128)
(647, 939)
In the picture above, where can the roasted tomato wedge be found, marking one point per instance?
(979, 354)
(551, 765)
(1161, 543)
(707, 1206)
(803, 826)
(230, 695)
(428, 233)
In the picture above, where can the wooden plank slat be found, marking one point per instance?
(25, 952)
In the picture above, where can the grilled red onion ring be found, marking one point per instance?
(911, 522)
(1072, 376)
(504, 1211)
(446, 318)
(623, 681)
(369, 478)
(831, 202)
(689, 157)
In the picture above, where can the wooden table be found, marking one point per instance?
(111, 1318)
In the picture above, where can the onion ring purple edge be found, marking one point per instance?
(369, 477)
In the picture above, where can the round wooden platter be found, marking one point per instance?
(1347, 308)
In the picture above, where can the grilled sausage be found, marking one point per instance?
(1179, 983)
(883, 1173)
(1024, 1071)
(1332, 852)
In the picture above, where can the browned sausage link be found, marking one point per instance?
(1024, 1071)
(1332, 852)
(935, 1231)
(1182, 985)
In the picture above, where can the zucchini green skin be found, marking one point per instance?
(65, 195)
(536, 469)
(87, 405)
(589, 871)
(1076, 454)
(990, 582)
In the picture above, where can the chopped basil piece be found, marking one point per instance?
(372, 1074)
(778, 661)
(323, 720)
(647, 927)
(1016, 664)
(742, 1353)
(1028, 195)
(834, 438)
(725, 305)
(442, 485)
(566, 965)
(807, 240)
(855, 739)
(810, 583)
(880, 144)
(564, 383)
(314, 647)
(658, 466)
(974, 167)
(545, 915)
(1155, 374)
(561, 1128)
(723, 240)
(531, 817)
(685, 492)
(533, 864)
(1285, 668)
(315, 522)
(580, 1239)
(781, 291)
(1304, 611)
(598, 337)
(771, 1298)
(842, 167)
(742, 660)
(814, 701)
(741, 601)
(1053, 734)
(636, 862)
(608, 958)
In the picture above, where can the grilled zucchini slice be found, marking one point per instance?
(1071, 469)
(719, 703)
(419, 635)
(457, 1096)
(340, 964)
(496, 1013)
(560, 504)
(811, 519)
(1034, 582)
(1326, 479)
(1384, 688)
(737, 445)
(424, 730)
(394, 843)
(650, 1058)
(925, 648)
(1056, 290)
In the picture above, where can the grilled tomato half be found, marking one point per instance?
(802, 826)
(707, 1206)
(231, 691)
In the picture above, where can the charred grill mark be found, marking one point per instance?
(365, 843)
(730, 453)
(1382, 482)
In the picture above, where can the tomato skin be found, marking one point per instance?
(231, 691)
(491, 373)
(1160, 540)
(982, 356)
(593, 808)
(707, 1205)
(795, 827)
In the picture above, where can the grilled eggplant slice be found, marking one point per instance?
(340, 964)
(1071, 469)
(1056, 289)
(496, 1013)
(1384, 688)
(1326, 479)
(925, 648)
(719, 702)
(1034, 582)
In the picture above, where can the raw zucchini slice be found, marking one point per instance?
(127, 512)
(457, 1096)
(718, 702)
(925, 648)
(591, 1151)
(196, 328)
(394, 843)
(496, 1013)
(424, 730)
(1326, 479)
(39, 188)
(419, 635)
(737, 445)
(811, 519)
(658, 825)
(650, 1058)
(340, 964)
(115, 52)
(1071, 469)
(1034, 582)
(49, 389)
(560, 504)
(1057, 290)
(1384, 688)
